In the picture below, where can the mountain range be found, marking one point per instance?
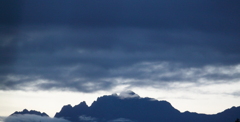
(129, 107)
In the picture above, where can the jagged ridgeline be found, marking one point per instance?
(129, 107)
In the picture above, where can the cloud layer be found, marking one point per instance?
(91, 45)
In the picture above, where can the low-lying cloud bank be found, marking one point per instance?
(32, 118)
(2, 118)
(121, 120)
(36, 118)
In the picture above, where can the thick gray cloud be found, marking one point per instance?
(97, 45)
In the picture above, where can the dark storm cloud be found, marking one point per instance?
(90, 45)
(208, 15)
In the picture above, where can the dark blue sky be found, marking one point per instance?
(213, 16)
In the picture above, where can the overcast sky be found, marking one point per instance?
(183, 49)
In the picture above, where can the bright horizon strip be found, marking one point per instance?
(51, 102)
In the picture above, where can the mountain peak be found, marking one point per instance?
(67, 107)
(81, 105)
(25, 111)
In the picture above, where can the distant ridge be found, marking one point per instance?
(129, 107)
(33, 112)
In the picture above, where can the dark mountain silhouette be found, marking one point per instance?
(129, 107)
(72, 113)
(25, 111)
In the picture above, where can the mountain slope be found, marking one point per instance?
(112, 107)
(130, 107)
